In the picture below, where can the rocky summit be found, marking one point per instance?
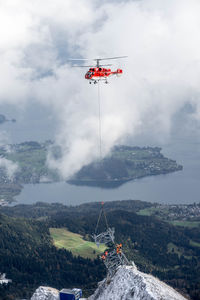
(127, 284)
(130, 284)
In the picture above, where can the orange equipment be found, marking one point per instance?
(119, 248)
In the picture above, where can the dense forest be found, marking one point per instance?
(30, 259)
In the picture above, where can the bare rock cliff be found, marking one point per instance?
(130, 284)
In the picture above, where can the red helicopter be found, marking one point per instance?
(97, 73)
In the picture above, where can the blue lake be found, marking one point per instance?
(39, 123)
(179, 187)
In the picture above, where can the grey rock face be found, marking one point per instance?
(45, 293)
(130, 284)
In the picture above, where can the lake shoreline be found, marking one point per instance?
(111, 184)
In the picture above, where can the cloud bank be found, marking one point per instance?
(161, 74)
(9, 167)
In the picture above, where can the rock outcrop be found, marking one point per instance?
(130, 284)
(45, 293)
(127, 284)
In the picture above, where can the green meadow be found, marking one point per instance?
(75, 243)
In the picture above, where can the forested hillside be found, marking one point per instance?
(29, 258)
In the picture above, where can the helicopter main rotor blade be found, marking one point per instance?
(80, 59)
(105, 65)
(83, 66)
(91, 66)
(97, 59)
(110, 58)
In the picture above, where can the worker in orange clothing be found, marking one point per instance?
(103, 256)
(119, 248)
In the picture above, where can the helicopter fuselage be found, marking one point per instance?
(97, 73)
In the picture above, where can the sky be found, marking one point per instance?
(160, 75)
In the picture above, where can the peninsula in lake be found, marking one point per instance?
(124, 163)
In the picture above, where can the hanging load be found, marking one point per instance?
(113, 256)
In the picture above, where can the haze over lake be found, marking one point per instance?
(180, 187)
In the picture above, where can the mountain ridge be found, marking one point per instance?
(129, 283)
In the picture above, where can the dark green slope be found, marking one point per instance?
(29, 258)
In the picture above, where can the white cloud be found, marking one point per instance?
(161, 73)
(9, 167)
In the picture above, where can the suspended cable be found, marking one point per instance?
(99, 104)
(102, 212)
(115, 257)
(105, 217)
(98, 221)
